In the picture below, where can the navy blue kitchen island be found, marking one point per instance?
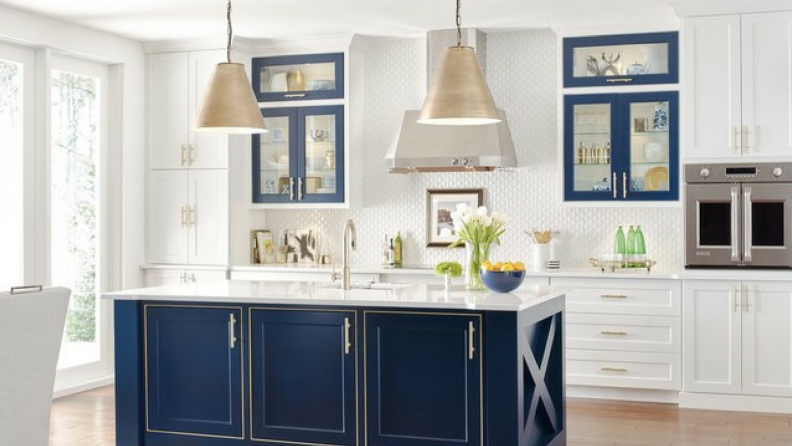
(244, 363)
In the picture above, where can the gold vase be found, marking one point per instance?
(295, 81)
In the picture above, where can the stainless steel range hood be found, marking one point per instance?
(450, 148)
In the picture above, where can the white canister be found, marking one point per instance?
(539, 255)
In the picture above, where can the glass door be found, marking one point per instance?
(274, 158)
(767, 216)
(652, 173)
(78, 207)
(713, 225)
(321, 163)
(591, 153)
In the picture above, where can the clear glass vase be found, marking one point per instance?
(475, 255)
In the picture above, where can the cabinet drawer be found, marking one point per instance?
(660, 371)
(619, 296)
(658, 334)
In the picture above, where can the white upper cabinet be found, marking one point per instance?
(177, 82)
(737, 86)
(167, 104)
(767, 338)
(766, 91)
(208, 221)
(167, 216)
(712, 326)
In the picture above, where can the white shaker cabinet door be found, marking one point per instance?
(766, 92)
(167, 110)
(712, 87)
(167, 216)
(767, 338)
(206, 150)
(712, 335)
(208, 218)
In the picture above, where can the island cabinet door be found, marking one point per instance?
(193, 371)
(423, 379)
(303, 376)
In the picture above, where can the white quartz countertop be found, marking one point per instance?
(311, 293)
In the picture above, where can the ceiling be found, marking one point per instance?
(148, 20)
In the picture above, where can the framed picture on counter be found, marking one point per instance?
(440, 203)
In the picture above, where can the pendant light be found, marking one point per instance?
(229, 105)
(459, 94)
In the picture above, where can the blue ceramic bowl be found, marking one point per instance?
(502, 282)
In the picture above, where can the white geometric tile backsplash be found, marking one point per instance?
(521, 72)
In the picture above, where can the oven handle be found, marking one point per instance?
(735, 216)
(747, 224)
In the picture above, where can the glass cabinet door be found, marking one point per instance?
(589, 147)
(621, 59)
(289, 78)
(274, 155)
(652, 122)
(321, 172)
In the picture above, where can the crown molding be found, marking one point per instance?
(253, 46)
(723, 7)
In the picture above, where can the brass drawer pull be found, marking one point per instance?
(614, 369)
(623, 79)
(614, 333)
(613, 296)
(347, 344)
(471, 347)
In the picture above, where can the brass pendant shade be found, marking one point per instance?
(229, 105)
(459, 95)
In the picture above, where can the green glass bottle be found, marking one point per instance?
(397, 246)
(620, 245)
(640, 245)
(631, 247)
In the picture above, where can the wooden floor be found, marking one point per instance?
(87, 419)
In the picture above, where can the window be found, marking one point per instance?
(11, 167)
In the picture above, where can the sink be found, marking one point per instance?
(368, 286)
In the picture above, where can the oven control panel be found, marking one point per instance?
(738, 173)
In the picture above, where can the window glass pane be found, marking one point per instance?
(11, 173)
(649, 146)
(621, 60)
(74, 210)
(275, 161)
(320, 154)
(592, 164)
(298, 77)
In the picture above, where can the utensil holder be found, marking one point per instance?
(539, 254)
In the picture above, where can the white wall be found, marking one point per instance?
(521, 69)
(128, 58)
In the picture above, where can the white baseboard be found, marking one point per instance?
(621, 394)
(82, 387)
(736, 403)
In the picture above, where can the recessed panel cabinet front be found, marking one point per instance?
(193, 372)
(303, 376)
(423, 379)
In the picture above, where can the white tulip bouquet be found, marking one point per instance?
(478, 230)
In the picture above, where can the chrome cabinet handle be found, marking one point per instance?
(736, 302)
(183, 156)
(471, 347)
(613, 333)
(747, 224)
(299, 189)
(735, 138)
(183, 217)
(192, 154)
(26, 289)
(614, 369)
(231, 331)
(615, 187)
(613, 296)
(621, 79)
(735, 216)
(294, 95)
(347, 343)
(624, 184)
(291, 189)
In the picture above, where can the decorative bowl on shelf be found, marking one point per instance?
(319, 135)
(321, 84)
(502, 281)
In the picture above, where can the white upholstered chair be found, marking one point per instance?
(31, 328)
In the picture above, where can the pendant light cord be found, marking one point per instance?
(231, 31)
(458, 21)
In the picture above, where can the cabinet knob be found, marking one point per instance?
(454, 161)
(705, 172)
(777, 172)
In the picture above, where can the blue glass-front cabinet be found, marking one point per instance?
(299, 77)
(193, 371)
(626, 59)
(301, 158)
(621, 147)
(423, 379)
